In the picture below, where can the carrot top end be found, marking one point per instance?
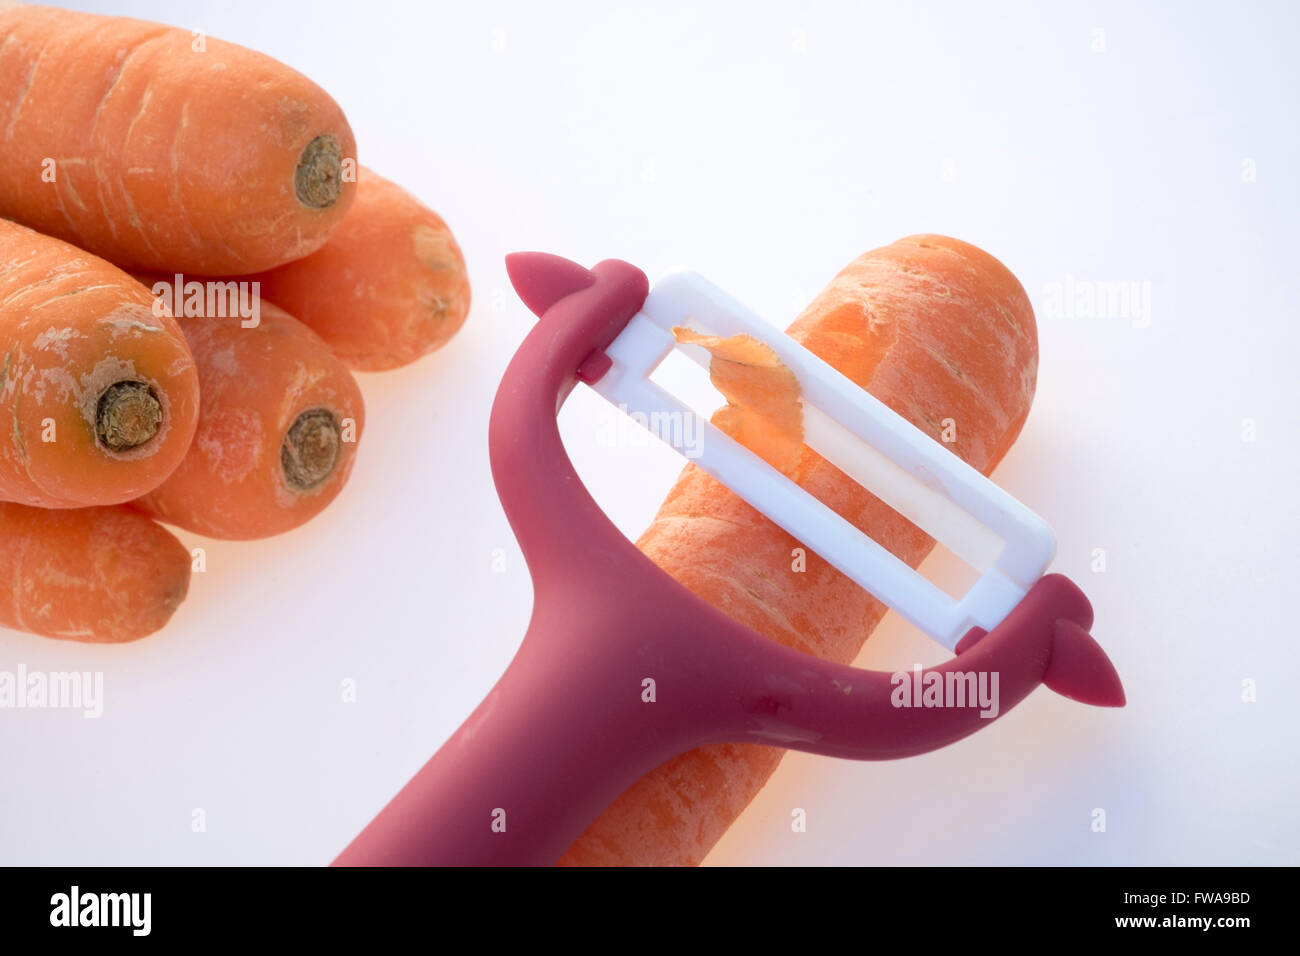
(318, 180)
(310, 449)
(127, 415)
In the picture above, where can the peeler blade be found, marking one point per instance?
(907, 469)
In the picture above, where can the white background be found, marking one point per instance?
(767, 145)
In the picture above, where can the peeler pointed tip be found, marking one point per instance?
(1080, 669)
(541, 279)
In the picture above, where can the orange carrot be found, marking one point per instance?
(160, 148)
(98, 390)
(939, 331)
(88, 574)
(389, 287)
(277, 434)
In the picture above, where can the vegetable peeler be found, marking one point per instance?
(566, 729)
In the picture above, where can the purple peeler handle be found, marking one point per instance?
(566, 729)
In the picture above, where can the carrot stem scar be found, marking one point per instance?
(127, 415)
(318, 180)
(310, 449)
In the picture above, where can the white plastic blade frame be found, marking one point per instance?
(911, 472)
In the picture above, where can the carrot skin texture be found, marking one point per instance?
(123, 138)
(103, 575)
(936, 329)
(255, 384)
(389, 287)
(71, 325)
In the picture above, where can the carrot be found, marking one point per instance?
(277, 433)
(88, 574)
(98, 390)
(389, 287)
(936, 329)
(158, 148)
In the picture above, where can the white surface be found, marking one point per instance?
(858, 434)
(767, 146)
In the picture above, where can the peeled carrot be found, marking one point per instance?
(942, 333)
(99, 395)
(389, 287)
(88, 574)
(277, 434)
(159, 148)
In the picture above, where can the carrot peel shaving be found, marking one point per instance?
(764, 410)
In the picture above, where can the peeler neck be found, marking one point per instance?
(556, 521)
